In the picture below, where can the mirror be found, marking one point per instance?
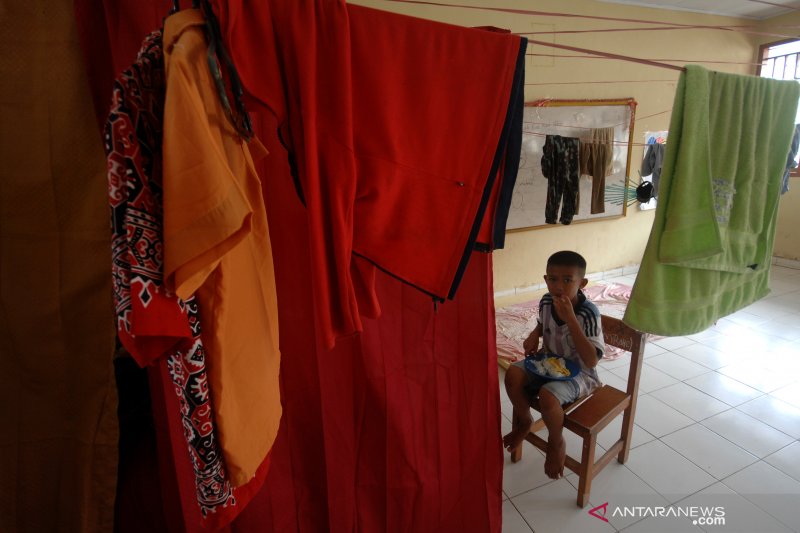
(559, 135)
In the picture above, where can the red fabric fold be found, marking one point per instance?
(384, 172)
(396, 429)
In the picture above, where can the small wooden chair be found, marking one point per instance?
(595, 412)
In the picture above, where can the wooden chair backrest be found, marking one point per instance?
(617, 333)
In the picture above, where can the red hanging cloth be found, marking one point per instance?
(395, 429)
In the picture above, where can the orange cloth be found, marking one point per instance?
(216, 245)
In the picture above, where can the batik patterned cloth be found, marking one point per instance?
(154, 325)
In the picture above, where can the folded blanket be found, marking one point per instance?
(710, 246)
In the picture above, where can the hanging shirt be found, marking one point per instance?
(791, 164)
(153, 324)
(396, 140)
(711, 243)
(652, 164)
(217, 246)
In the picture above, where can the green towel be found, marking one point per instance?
(711, 243)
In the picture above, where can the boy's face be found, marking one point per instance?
(565, 281)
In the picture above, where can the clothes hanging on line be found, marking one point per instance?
(597, 161)
(711, 243)
(217, 246)
(379, 165)
(652, 164)
(560, 163)
(791, 164)
(155, 326)
(306, 489)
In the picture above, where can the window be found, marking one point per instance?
(781, 61)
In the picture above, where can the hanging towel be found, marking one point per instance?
(709, 249)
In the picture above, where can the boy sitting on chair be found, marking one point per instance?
(571, 328)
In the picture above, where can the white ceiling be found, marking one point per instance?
(733, 8)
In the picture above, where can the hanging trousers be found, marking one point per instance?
(560, 164)
(597, 161)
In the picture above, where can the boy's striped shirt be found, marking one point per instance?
(558, 340)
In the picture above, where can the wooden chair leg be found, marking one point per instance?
(626, 435)
(587, 470)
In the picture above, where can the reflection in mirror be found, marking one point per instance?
(573, 152)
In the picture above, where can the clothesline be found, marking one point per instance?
(613, 143)
(648, 59)
(556, 125)
(609, 55)
(607, 81)
(663, 28)
(639, 119)
(675, 25)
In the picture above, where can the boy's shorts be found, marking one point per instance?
(565, 391)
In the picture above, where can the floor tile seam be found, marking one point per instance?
(790, 404)
(709, 369)
(531, 489)
(695, 492)
(519, 512)
(666, 405)
(698, 491)
(686, 382)
(511, 496)
(764, 421)
(761, 393)
(642, 479)
(754, 418)
(778, 469)
(675, 353)
(625, 465)
(696, 420)
(654, 368)
(700, 422)
(757, 459)
(744, 495)
(742, 382)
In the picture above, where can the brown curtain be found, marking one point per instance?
(58, 434)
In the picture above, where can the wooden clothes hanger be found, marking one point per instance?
(238, 115)
(176, 5)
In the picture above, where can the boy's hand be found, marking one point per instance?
(531, 344)
(564, 309)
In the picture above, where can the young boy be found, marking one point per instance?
(571, 328)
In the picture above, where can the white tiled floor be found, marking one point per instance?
(717, 424)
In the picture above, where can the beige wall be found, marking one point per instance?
(787, 236)
(613, 243)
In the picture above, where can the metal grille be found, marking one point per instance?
(782, 67)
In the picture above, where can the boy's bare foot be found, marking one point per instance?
(520, 427)
(555, 457)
